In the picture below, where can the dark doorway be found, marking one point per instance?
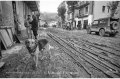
(16, 21)
(79, 25)
(85, 24)
(2, 47)
(74, 26)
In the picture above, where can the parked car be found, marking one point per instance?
(105, 25)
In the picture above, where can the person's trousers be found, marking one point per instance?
(29, 33)
(35, 33)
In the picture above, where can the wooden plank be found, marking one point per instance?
(2, 64)
(5, 38)
(6, 27)
(85, 57)
(3, 41)
(10, 34)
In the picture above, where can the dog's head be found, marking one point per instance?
(30, 44)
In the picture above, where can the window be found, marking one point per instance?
(95, 22)
(81, 12)
(102, 21)
(86, 9)
(103, 9)
(108, 9)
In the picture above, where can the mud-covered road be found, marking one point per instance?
(68, 54)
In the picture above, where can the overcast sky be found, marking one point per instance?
(49, 5)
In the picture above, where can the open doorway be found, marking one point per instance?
(79, 25)
(16, 22)
(85, 24)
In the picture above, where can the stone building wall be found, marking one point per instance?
(7, 14)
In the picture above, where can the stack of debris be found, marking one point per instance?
(7, 39)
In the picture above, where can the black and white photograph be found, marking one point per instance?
(59, 39)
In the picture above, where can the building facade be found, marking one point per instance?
(12, 17)
(6, 14)
(83, 14)
(101, 9)
(88, 11)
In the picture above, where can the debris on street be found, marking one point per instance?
(65, 57)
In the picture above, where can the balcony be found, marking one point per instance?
(81, 16)
(82, 4)
(34, 5)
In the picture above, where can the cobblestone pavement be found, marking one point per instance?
(68, 54)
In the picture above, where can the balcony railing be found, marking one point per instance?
(82, 4)
(81, 15)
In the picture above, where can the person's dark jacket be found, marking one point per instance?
(34, 24)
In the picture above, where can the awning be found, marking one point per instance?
(33, 5)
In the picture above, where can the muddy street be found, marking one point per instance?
(68, 54)
(98, 55)
(59, 39)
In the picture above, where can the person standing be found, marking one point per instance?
(34, 25)
(28, 25)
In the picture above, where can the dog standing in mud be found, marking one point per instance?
(35, 47)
